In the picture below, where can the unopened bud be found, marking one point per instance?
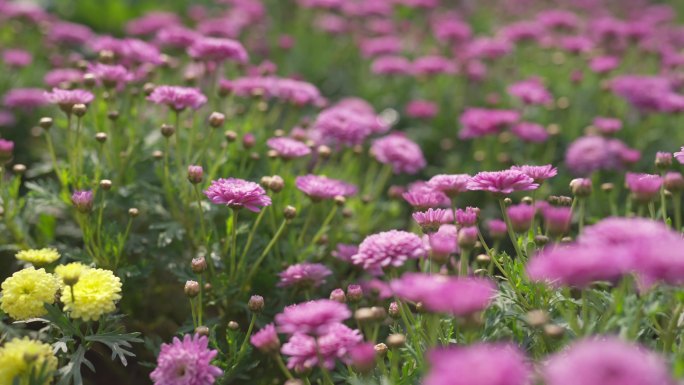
(581, 187)
(230, 136)
(554, 331)
(199, 265)
(537, 318)
(232, 325)
(133, 212)
(106, 184)
(195, 174)
(248, 141)
(364, 314)
(19, 169)
(354, 293)
(192, 289)
(216, 119)
(337, 295)
(276, 183)
(396, 340)
(256, 303)
(393, 310)
(45, 123)
(101, 137)
(381, 349)
(340, 200)
(290, 212)
(202, 331)
(113, 115)
(167, 130)
(79, 109)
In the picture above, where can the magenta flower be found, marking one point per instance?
(530, 132)
(557, 219)
(306, 275)
(607, 126)
(502, 182)
(151, 23)
(82, 200)
(320, 187)
(404, 155)
(288, 148)
(592, 153)
(304, 351)
(186, 362)
(344, 252)
(389, 248)
(237, 193)
(521, 217)
(478, 122)
(443, 242)
(604, 64)
(471, 365)
(430, 220)
(348, 123)
(433, 65)
(178, 98)
(391, 65)
(16, 58)
(679, 155)
(176, 36)
(531, 92)
(606, 361)
(644, 187)
(467, 217)
(538, 173)
(266, 340)
(68, 33)
(451, 185)
(422, 109)
(111, 75)
(497, 228)
(59, 76)
(25, 98)
(218, 50)
(6, 150)
(66, 99)
(313, 317)
(293, 91)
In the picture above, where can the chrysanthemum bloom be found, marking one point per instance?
(349, 122)
(478, 122)
(391, 65)
(237, 193)
(679, 155)
(151, 22)
(25, 98)
(218, 50)
(557, 219)
(22, 358)
(531, 92)
(266, 340)
(345, 251)
(313, 317)
(467, 217)
(443, 242)
(186, 362)
(538, 173)
(673, 182)
(82, 200)
(497, 228)
(26, 291)
(363, 357)
(592, 153)
(70, 273)
(663, 160)
(288, 148)
(6, 150)
(422, 196)
(111, 75)
(16, 58)
(604, 64)
(178, 98)
(68, 33)
(176, 36)
(521, 217)
(96, 293)
(304, 350)
(530, 132)
(320, 187)
(430, 220)
(404, 155)
(474, 365)
(433, 65)
(305, 275)
(606, 361)
(451, 185)
(422, 109)
(59, 76)
(389, 248)
(644, 187)
(502, 182)
(38, 257)
(66, 99)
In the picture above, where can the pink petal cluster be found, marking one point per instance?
(502, 182)
(478, 122)
(388, 249)
(320, 187)
(297, 92)
(304, 351)
(450, 184)
(218, 50)
(531, 92)
(186, 362)
(237, 193)
(349, 122)
(404, 155)
(178, 98)
(288, 148)
(306, 275)
(538, 173)
(313, 317)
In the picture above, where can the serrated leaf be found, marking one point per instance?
(117, 343)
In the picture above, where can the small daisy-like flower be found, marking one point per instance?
(26, 291)
(319, 187)
(71, 272)
(430, 220)
(389, 248)
(186, 362)
(644, 187)
(304, 275)
(237, 193)
(96, 293)
(288, 148)
(538, 173)
(218, 50)
(22, 358)
(451, 185)
(467, 217)
(502, 182)
(404, 155)
(66, 99)
(38, 257)
(178, 98)
(313, 317)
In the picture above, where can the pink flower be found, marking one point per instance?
(478, 122)
(431, 220)
(305, 275)
(218, 50)
(319, 187)
(111, 75)
(313, 317)
(17, 58)
(66, 99)
(388, 249)
(557, 219)
(680, 155)
(404, 155)
(176, 36)
(60, 76)
(644, 187)
(178, 98)
(422, 109)
(69, 33)
(151, 23)
(348, 123)
(266, 340)
(186, 362)
(444, 241)
(606, 361)
(467, 217)
(433, 65)
(472, 365)
(607, 126)
(384, 45)
(497, 228)
(288, 148)
(604, 64)
(531, 92)
(451, 185)
(591, 153)
(538, 173)
(25, 98)
(530, 132)
(502, 182)
(521, 217)
(422, 196)
(237, 193)
(391, 65)
(344, 252)
(304, 351)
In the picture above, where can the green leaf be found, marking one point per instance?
(117, 343)
(71, 372)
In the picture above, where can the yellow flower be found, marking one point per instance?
(38, 257)
(19, 357)
(25, 292)
(96, 293)
(71, 272)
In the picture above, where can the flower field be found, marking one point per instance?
(364, 192)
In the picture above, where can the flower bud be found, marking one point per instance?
(483, 259)
(290, 212)
(71, 277)
(79, 109)
(133, 212)
(195, 174)
(537, 318)
(541, 240)
(148, 88)
(232, 325)
(192, 289)
(354, 293)
(202, 331)
(673, 182)
(379, 313)
(607, 187)
(198, 265)
(554, 331)
(167, 130)
(89, 80)
(19, 169)
(230, 136)
(113, 115)
(45, 123)
(467, 238)
(256, 303)
(581, 187)
(157, 154)
(364, 314)
(380, 349)
(82, 200)
(663, 160)
(363, 357)
(216, 119)
(337, 295)
(101, 137)
(393, 310)
(106, 184)
(324, 152)
(396, 340)
(276, 183)
(248, 141)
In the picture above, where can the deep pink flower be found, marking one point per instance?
(497, 228)
(592, 153)
(557, 219)
(521, 31)
(176, 36)
(345, 251)
(178, 98)
(530, 132)
(644, 187)
(431, 219)
(449, 28)
(478, 122)
(451, 185)
(237, 193)
(218, 50)
(488, 48)
(6, 149)
(391, 65)
(319, 187)
(24, 98)
(576, 44)
(531, 92)
(313, 317)
(304, 351)
(443, 242)
(467, 217)
(422, 196)
(306, 275)
(66, 99)
(502, 182)
(606, 361)
(521, 217)
(82, 200)
(151, 22)
(266, 340)
(433, 65)
(422, 109)
(538, 173)
(607, 126)
(679, 155)
(389, 248)
(17, 58)
(604, 64)
(384, 45)
(111, 75)
(288, 148)
(404, 155)
(60, 76)
(558, 19)
(69, 33)
(348, 123)
(472, 365)
(186, 362)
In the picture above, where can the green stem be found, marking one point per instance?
(463, 271)
(268, 248)
(233, 247)
(203, 228)
(199, 310)
(678, 210)
(323, 227)
(243, 347)
(283, 368)
(509, 228)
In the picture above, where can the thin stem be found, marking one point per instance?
(199, 310)
(663, 205)
(509, 228)
(323, 227)
(283, 368)
(463, 270)
(198, 197)
(678, 210)
(233, 247)
(250, 237)
(268, 248)
(581, 214)
(307, 223)
(241, 352)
